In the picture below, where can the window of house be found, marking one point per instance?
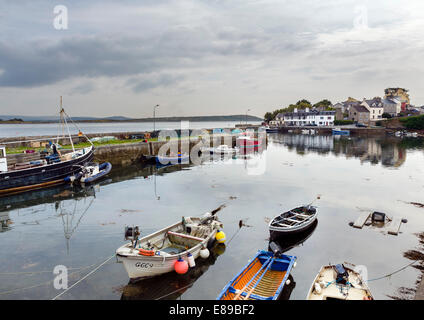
(1, 153)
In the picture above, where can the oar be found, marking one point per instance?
(259, 280)
(265, 264)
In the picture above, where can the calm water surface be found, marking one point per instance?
(83, 227)
(42, 129)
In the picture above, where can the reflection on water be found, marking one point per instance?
(77, 227)
(389, 151)
(290, 241)
(170, 286)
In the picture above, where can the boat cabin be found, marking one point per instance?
(3, 160)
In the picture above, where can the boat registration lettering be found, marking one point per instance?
(144, 265)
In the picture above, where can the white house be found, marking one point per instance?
(375, 107)
(306, 117)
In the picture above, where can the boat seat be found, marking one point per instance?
(297, 221)
(186, 236)
(283, 225)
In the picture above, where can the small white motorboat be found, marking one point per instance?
(222, 149)
(159, 252)
(339, 282)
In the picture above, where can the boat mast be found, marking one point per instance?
(62, 113)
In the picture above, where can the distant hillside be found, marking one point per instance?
(44, 119)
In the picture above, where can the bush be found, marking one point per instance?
(415, 122)
(342, 122)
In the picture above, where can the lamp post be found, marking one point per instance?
(246, 115)
(154, 118)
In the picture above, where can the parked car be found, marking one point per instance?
(361, 125)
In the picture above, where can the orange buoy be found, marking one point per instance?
(181, 266)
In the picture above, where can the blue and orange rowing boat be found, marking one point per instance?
(263, 278)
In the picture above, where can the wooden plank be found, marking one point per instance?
(394, 226)
(292, 220)
(359, 223)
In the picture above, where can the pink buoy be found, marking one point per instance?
(181, 266)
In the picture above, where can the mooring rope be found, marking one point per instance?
(47, 282)
(86, 276)
(394, 272)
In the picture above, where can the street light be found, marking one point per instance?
(246, 115)
(154, 117)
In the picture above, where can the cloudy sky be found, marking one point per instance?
(205, 57)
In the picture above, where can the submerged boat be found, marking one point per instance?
(293, 221)
(339, 282)
(338, 131)
(159, 252)
(222, 149)
(173, 159)
(35, 170)
(263, 278)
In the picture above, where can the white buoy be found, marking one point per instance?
(288, 282)
(190, 260)
(295, 264)
(204, 253)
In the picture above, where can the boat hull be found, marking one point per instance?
(14, 182)
(276, 232)
(257, 282)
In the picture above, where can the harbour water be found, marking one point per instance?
(83, 227)
(45, 129)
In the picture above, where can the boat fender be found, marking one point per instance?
(145, 252)
(190, 260)
(288, 282)
(317, 288)
(295, 264)
(204, 253)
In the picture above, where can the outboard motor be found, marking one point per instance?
(275, 247)
(132, 233)
(342, 276)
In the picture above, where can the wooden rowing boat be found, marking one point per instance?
(263, 278)
(293, 221)
(339, 282)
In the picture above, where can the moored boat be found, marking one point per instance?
(293, 221)
(222, 149)
(159, 252)
(246, 141)
(338, 131)
(173, 159)
(90, 172)
(339, 282)
(263, 278)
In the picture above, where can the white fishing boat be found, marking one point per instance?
(159, 252)
(222, 149)
(339, 282)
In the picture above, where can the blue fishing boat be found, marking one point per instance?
(263, 278)
(90, 172)
(340, 132)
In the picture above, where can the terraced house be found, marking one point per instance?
(307, 117)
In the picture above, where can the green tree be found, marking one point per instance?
(268, 116)
(325, 104)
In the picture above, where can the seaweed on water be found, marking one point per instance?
(404, 293)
